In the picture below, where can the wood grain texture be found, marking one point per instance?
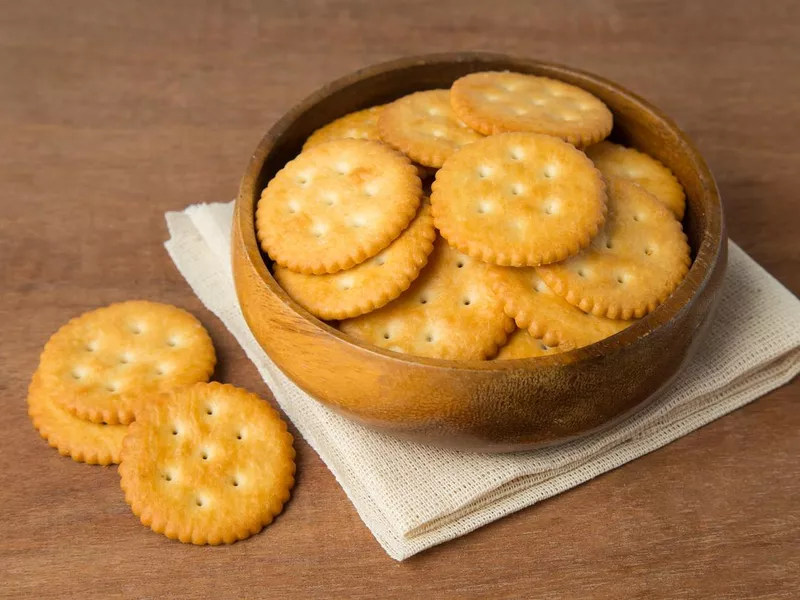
(112, 113)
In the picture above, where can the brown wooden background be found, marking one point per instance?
(113, 112)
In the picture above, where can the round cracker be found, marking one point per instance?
(521, 344)
(632, 266)
(336, 205)
(497, 102)
(83, 441)
(103, 364)
(448, 312)
(367, 286)
(207, 464)
(519, 199)
(545, 315)
(614, 160)
(359, 125)
(424, 127)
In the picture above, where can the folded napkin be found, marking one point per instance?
(412, 496)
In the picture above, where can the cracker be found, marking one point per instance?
(103, 364)
(336, 205)
(519, 199)
(632, 266)
(521, 344)
(207, 464)
(534, 307)
(614, 160)
(497, 102)
(83, 441)
(448, 312)
(367, 286)
(424, 127)
(359, 125)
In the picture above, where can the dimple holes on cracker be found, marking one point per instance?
(519, 199)
(632, 266)
(336, 205)
(207, 464)
(449, 311)
(103, 364)
(500, 102)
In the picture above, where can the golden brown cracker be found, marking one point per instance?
(448, 312)
(83, 441)
(424, 127)
(534, 307)
(207, 464)
(614, 160)
(633, 264)
(101, 365)
(521, 344)
(359, 125)
(369, 285)
(336, 205)
(497, 102)
(519, 199)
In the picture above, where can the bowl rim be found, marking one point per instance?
(694, 283)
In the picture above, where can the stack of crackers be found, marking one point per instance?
(537, 236)
(128, 383)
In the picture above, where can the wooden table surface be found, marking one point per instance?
(112, 113)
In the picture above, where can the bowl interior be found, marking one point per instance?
(636, 123)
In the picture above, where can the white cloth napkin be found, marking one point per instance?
(413, 497)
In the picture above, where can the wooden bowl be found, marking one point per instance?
(482, 405)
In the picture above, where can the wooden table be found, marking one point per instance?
(112, 113)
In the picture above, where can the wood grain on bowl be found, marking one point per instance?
(480, 405)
